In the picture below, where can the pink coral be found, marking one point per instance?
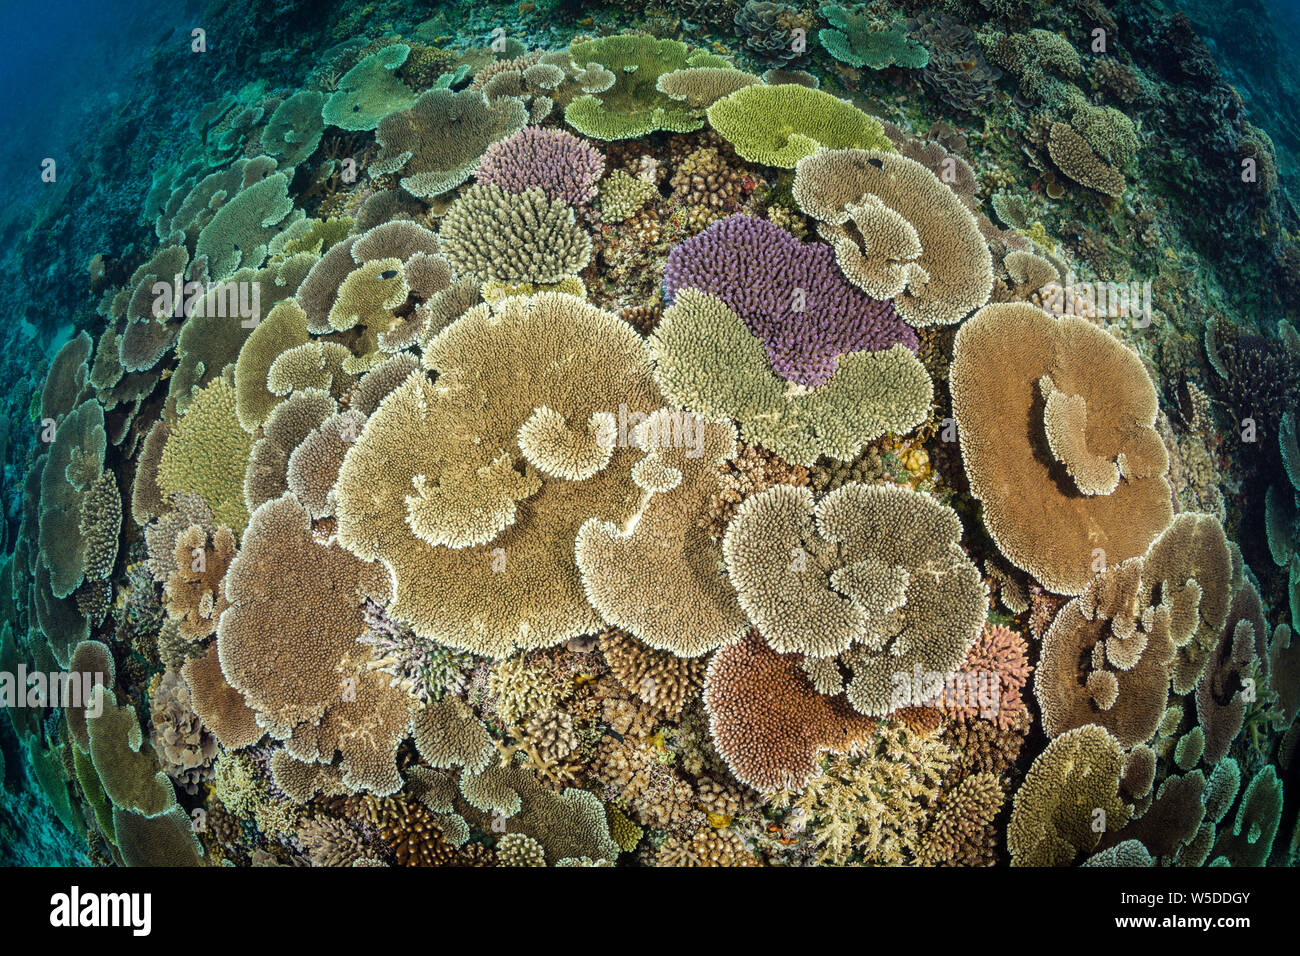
(999, 654)
(559, 163)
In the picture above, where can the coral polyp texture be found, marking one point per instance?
(717, 433)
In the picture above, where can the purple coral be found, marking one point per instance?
(790, 294)
(559, 163)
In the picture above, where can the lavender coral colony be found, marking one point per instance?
(732, 434)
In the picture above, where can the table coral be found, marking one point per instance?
(454, 511)
(779, 125)
(1001, 355)
(789, 293)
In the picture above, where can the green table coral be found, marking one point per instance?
(634, 106)
(859, 40)
(370, 91)
(780, 125)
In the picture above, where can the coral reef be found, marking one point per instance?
(717, 433)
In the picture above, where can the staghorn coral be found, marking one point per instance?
(874, 809)
(426, 671)
(1039, 522)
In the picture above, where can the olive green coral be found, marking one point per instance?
(206, 455)
(780, 125)
(707, 361)
(1068, 800)
(436, 144)
(633, 105)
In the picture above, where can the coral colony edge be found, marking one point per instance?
(716, 433)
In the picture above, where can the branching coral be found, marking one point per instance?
(513, 237)
(660, 679)
(789, 294)
(707, 361)
(874, 809)
(564, 167)
(767, 719)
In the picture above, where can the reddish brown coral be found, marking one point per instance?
(768, 721)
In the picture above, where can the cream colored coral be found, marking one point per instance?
(848, 191)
